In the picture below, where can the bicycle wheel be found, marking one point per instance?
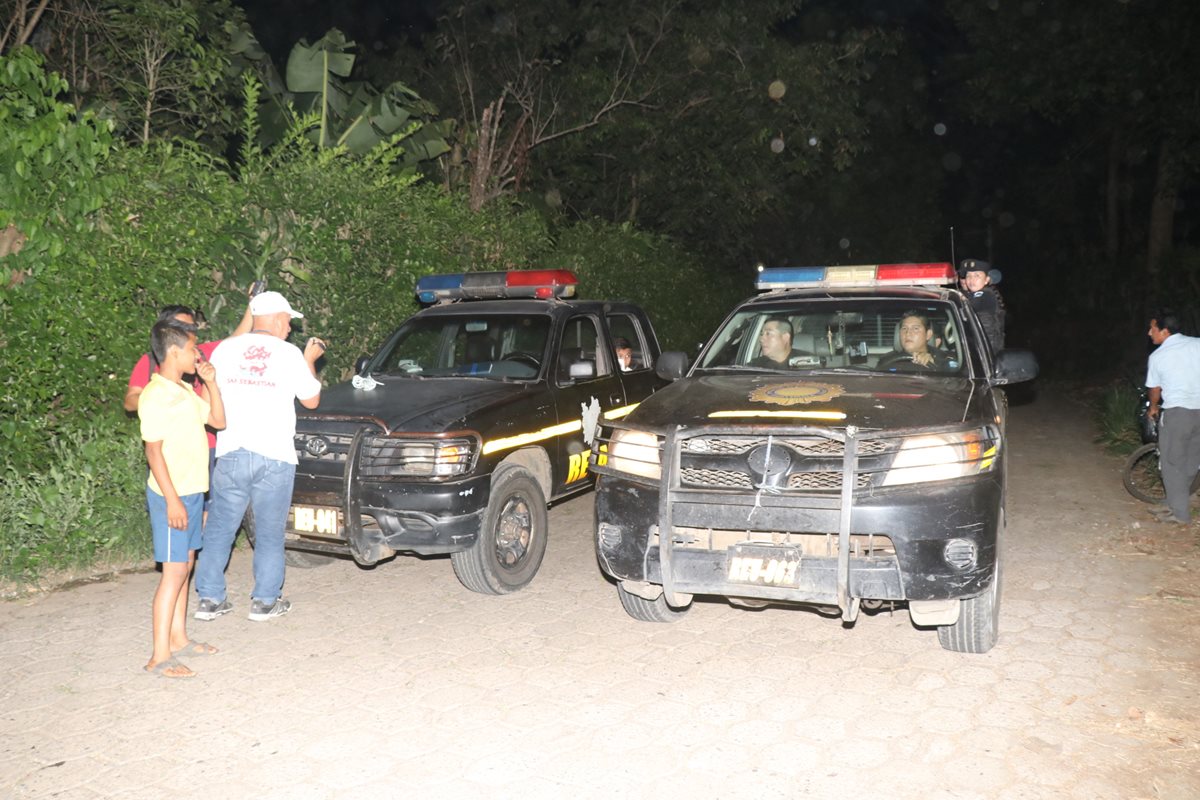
(1143, 475)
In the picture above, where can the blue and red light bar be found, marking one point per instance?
(537, 283)
(860, 275)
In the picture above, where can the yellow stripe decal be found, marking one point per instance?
(623, 411)
(563, 428)
(754, 412)
(529, 438)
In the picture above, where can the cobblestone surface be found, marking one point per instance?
(396, 681)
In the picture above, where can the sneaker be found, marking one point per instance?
(261, 611)
(211, 609)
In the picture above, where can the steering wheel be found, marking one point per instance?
(895, 359)
(528, 358)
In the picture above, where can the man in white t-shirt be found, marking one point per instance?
(260, 376)
(1173, 383)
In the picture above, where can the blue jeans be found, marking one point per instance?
(246, 480)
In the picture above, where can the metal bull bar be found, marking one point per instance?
(669, 482)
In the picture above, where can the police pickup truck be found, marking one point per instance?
(840, 442)
(453, 437)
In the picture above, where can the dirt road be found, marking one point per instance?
(397, 682)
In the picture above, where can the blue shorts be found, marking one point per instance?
(170, 544)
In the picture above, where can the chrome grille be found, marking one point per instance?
(334, 449)
(808, 446)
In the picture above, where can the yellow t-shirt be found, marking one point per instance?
(175, 415)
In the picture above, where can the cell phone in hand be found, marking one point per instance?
(258, 287)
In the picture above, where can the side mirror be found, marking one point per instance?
(361, 364)
(672, 365)
(582, 369)
(1014, 366)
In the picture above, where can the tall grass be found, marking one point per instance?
(1117, 418)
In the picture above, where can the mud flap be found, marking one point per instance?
(934, 613)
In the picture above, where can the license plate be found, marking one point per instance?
(316, 519)
(763, 565)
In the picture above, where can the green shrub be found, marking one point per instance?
(86, 504)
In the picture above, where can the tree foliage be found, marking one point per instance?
(50, 156)
(346, 113)
(696, 118)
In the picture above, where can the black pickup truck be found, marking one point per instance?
(840, 442)
(471, 417)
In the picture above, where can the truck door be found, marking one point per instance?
(582, 350)
(630, 333)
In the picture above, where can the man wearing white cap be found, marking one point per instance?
(260, 376)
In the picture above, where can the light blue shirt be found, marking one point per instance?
(1175, 368)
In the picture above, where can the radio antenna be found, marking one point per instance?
(953, 260)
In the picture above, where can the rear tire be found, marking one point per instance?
(643, 610)
(512, 539)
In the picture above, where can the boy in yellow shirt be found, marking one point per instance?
(172, 418)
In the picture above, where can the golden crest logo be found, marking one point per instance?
(796, 393)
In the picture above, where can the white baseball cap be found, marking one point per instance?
(265, 303)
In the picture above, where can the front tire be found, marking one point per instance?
(512, 540)
(978, 625)
(643, 610)
(1142, 475)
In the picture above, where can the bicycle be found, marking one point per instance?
(1142, 473)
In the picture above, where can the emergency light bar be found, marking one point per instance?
(538, 283)
(862, 275)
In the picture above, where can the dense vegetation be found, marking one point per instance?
(103, 233)
(153, 151)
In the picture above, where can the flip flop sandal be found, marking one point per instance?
(194, 648)
(160, 669)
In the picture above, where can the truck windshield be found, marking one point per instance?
(502, 346)
(885, 335)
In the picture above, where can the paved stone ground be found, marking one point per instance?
(398, 682)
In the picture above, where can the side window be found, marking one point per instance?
(626, 331)
(581, 343)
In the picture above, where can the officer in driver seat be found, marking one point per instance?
(917, 351)
(775, 343)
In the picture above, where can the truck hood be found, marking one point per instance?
(868, 401)
(418, 405)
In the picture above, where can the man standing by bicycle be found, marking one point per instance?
(1173, 382)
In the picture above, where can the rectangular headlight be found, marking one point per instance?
(944, 456)
(384, 457)
(635, 453)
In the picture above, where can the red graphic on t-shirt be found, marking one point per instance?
(256, 358)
